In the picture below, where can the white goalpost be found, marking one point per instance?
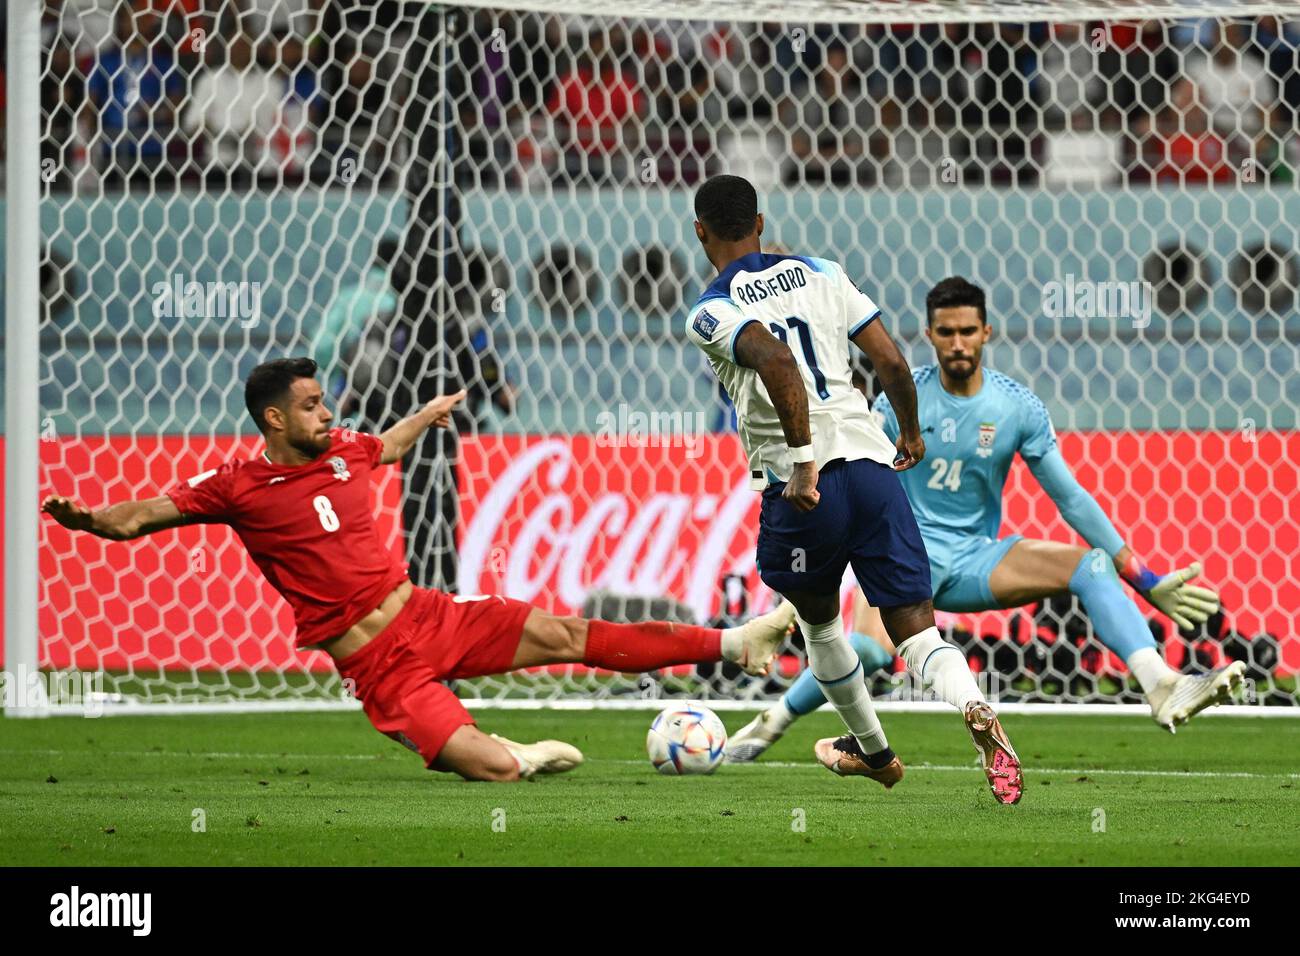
(498, 197)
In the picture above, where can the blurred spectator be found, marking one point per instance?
(301, 105)
(479, 366)
(135, 86)
(911, 64)
(736, 63)
(281, 17)
(92, 22)
(830, 103)
(361, 118)
(596, 108)
(1078, 149)
(236, 104)
(481, 55)
(63, 91)
(1277, 152)
(365, 305)
(1138, 63)
(1233, 82)
(829, 126)
(1279, 43)
(1181, 147)
(1071, 86)
(183, 22)
(692, 116)
(1002, 113)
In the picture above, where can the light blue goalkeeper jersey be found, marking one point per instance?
(956, 491)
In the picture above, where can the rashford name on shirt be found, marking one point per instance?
(787, 280)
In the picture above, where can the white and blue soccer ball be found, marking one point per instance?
(686, 738)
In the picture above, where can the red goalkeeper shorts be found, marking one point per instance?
(434, 637)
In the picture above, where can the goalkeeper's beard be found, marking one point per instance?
(961, 370)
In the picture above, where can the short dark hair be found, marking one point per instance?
(954, 292)
(270, 382)
(728, 206)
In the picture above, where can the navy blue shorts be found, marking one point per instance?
(863, 519)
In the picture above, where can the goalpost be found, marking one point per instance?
(425, 197)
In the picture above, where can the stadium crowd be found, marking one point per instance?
(242, 92)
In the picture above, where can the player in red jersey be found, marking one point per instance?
(302, 508)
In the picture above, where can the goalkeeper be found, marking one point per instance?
(974, 421)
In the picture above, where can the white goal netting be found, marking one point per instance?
(427, 197)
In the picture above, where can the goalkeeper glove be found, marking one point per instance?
(1185, 604)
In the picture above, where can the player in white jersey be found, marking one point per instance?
(776, 330)
(979, 420)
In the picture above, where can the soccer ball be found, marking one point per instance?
(686, 738)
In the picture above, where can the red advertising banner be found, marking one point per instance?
(549, 519)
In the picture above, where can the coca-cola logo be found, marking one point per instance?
(550, 520)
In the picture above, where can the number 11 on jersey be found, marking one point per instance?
(809, 354)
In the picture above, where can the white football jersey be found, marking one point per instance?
(812, 306)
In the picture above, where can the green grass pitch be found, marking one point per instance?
(325, 789)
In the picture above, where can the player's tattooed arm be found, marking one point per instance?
(120, 522)
(896, 379)
(759, 349)
(399, 439)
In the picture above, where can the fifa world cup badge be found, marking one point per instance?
(340, 468)
(988, 431)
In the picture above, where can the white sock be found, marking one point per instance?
(780, 717)
(733, 643)
(1149, 668)
(838, 670)
(932, 659)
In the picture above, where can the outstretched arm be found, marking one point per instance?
(399, 439)
(759, 349)
(120, 522)
(896, 379)
(1186, 604)
(1079, 509)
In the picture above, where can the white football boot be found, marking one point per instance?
(1179, 699)
(761, 636)
(544, 756)
(751, 741)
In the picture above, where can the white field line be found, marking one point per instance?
(923, 767)
(110, 708)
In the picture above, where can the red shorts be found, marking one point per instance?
(434, 637)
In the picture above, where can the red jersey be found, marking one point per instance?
(310, 528)
(595, 107)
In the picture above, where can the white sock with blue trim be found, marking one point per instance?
(838, 670)
(934, 661)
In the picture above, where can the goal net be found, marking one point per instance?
(424, 198)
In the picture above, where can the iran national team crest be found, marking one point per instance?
(340, 468)
(988, 432)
